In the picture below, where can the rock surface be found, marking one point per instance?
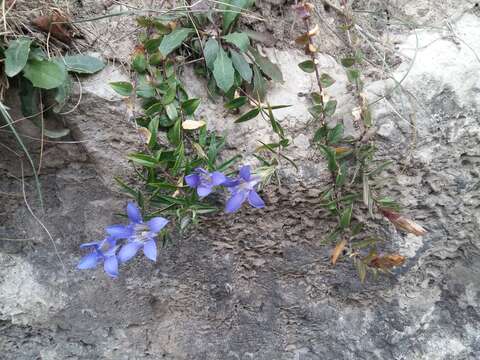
(259, 286)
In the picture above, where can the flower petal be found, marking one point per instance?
(192, 180)
(128, 251)
(150, 250)
(245, 172)
(111, 266)
(134, 213)
(95, 244)
(157, 223)
(218, 178)
(203, 190)
(88, 262)
(235, 202)
(255, 200)
(119, 231)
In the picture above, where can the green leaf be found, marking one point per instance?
(307, 66)
(139, 63)
(316, 110)
(259, 84)
(210, 51)
(276, 127)
(170, 95)
(236, 103)
(361, 269)
(346, 217)
(190, 106)
(240, 40)
(83, 64)
(232, 11)
(353, 75)
(144, 88)
(320, 134)
(270, 69)
(143, 160)
(151, 45)
(171, 111)
(241, 65)
(330, 107)
(326, 80)
(335, 134)
(16, 56)
(122, 88)
(173, 40)
(223, 71)
(248, 115)
(348, 61)
(331, 158)
(175, 133)
(45, 74)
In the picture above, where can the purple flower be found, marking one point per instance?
(139, 234)
(204, 181)
(102, 250)
(243, 188)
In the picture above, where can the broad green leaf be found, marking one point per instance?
(223, 71)
(144, 88)
(348, 61)
(335, 134)
(240, 40)
(330, 107)
(122, 88)
(83, 64)
(139, 63)
(236, 103)
(326, 80)
(151, 45)
(308, 66)
(270, 69)
(16, 56)
(171, 111)
(45, 74)
(210, 51)
(232, 11)
(175, 133)
(29, 97)
(190, 106)
(173, 40)
(259, 84)
(248, 115)
(353, 74)
(241, 65)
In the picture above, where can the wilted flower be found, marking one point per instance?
(139, 234)
(103, 250)
(404, 223)
(304, 10)
(204, 181)
(243, 188)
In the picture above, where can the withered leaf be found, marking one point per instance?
(387, 261)
(56, 24)
(337, 251)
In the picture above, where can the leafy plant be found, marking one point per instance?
(41, 76)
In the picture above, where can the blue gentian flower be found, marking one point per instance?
(204, 181)
(103, 250)
(138, 234)
(243, 188)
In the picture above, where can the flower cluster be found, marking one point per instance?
(134, 236)
(241, 187)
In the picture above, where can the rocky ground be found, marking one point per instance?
(258, 285)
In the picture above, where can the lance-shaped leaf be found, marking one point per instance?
(232, 11)
(241, 65)
(270, 69)
(83, 64)
(173, 40)
(223, 71)
(248, 115)
(16, 56)
(210, 51)
(122, 88)
(240, 40)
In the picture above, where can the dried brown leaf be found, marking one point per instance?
(337, 251)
